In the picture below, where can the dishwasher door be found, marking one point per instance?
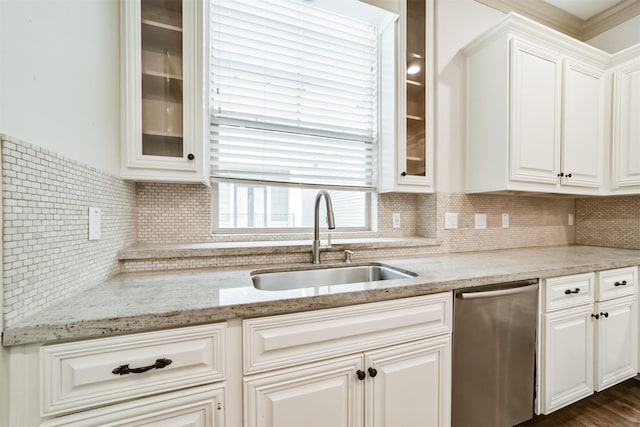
(494, 340)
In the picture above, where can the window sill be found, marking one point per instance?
(142, 251)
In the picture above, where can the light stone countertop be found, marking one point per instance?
(136, 302)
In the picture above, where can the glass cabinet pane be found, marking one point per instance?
(162, 78)
(416, 88)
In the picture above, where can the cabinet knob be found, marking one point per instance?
(561, 174)
(623, 283)
(403, 174)
(605, 314)
(597, 316)
(190, 156)
(568, 175)
(361, 374)
(569, 291)
(373, 372)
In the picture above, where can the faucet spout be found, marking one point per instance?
(315, 248)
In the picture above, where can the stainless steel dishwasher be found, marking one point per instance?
(494, 338)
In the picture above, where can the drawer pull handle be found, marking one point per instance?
(569, 291)
(361, 375)
(623, 283)
(125, 370)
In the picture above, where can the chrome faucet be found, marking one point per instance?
(315, 247)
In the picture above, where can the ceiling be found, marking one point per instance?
(583, 9)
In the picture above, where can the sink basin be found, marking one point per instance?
(272, 280)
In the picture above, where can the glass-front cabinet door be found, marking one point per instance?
(163, 88)
(415, 162)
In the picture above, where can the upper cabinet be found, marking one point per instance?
(536, 116)
(406, 157)
(163, 91)
(625, 167)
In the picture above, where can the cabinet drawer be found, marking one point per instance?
(568, 291)
(291, 339)
(195, 407)
(616, 283)
(80, 375)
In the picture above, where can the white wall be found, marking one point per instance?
(618, 38)
(458, 22)
(59, 77)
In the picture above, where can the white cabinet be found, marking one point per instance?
(586, 346)
(378, 364)
(172, 377)
(163, 135)
(196, 407)
(616, 356)
(625, 166)
(406, 155)
(398, 385)
(535, 111)
(567, 357)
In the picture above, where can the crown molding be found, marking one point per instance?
(609, 18)
(563, 21)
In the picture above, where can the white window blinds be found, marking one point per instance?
(293, 94)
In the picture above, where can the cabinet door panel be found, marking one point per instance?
(411, 386)
(535, 125)
(616, 341)
(582, 125)
(319, 394)
(626, 127)
(567, 357)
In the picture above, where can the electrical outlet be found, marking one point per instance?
(94, 223)
(570, 219)
(450, 220)
(481, 221)
(505, 220)
(396, 220)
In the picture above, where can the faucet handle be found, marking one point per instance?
(347, 256)
(328, 241)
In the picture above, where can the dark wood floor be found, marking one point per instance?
(618, 406)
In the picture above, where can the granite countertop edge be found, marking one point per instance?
(189, 250)
(442, 273)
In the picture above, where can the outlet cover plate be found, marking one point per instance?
(481, 221)
(94, 223)
(450, 220)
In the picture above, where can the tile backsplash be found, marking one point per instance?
(46, 251)
(47, 256)
(609, 221)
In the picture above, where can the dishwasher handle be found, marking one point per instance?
(500, 292)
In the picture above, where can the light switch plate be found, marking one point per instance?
(505, 220)
(450, 220)
(481, 221)
(570, 219)
(94, 223)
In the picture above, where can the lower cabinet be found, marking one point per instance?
(400, 385)
(390, 365)
(195, 407)
(567, 352)
(586, 346)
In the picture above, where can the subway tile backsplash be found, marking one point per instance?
(46, 252)
(47, 256)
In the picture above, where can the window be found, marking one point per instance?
(294, 108)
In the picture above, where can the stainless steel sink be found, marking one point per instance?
(274, 280)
